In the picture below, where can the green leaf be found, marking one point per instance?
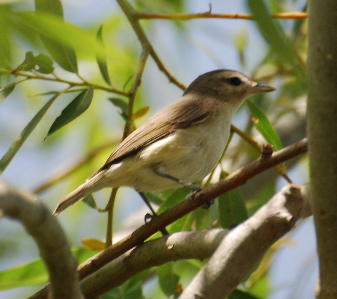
(238, 294)
(6, 91)
(263, 125)
(45, 64)
(141, 112)
(29, 62)
(50, 6)
(34, 273)
(168, 280)
(241, 42)
(120, 104)
(273, 33)
(7, 158)
(232, 209)
(63, 54)
(185, 222)
(130, 289)
(90, 201)
(69, 36)
(5, 44)
(101, 61)
(78, 106)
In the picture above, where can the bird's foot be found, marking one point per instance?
(191, 198)
(147, 219)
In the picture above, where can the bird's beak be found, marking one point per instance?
(262, 88)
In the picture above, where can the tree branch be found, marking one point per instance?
(322, 128)
(210, 15)
(240, 249)
(245, 245)
(48, 235)
(131, 14)
(182, 245)
(208, 194)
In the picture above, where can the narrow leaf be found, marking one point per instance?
(63, 54)
(263, 125)
(141, 112)
(7, 158)
(45, 64)
(5, 44)
(34, 273)
(273, 32)
(101, 60)
(50, 6)
(168, 280)
(90, 201)
(232, 209)
(6, 91)
(185, 222)
(29, 62)
(238, 294)
(78, 106)
(93, 244)
(130, 289)
(120, 104)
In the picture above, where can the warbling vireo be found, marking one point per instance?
(180, 144)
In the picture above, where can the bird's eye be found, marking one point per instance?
(235, 81)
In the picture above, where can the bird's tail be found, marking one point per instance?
(90, 186)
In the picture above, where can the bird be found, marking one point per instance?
(180, 144)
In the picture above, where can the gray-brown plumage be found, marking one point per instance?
(185, 140)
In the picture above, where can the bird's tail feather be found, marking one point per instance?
(81, 192)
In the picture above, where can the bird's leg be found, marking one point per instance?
(195, 188)
(149, 216)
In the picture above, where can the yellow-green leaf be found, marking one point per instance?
(35, 272)
(141, 112)
(101, 60)
(264, 126)
(63, 54)
(93, 244)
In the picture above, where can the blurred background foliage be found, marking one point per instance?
(66, 72)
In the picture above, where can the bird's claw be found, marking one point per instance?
(192, 200)
(148, 217)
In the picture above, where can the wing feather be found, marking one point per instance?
(181, 114)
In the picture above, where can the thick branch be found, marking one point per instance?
(182, 245)
(49, 237)
(245, 245)
(322, 128)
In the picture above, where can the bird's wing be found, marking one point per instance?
(179, 115)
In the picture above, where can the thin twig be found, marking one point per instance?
(29, 76)
(210, 15)
(127, 130)
(131, 14)
(60, 175)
